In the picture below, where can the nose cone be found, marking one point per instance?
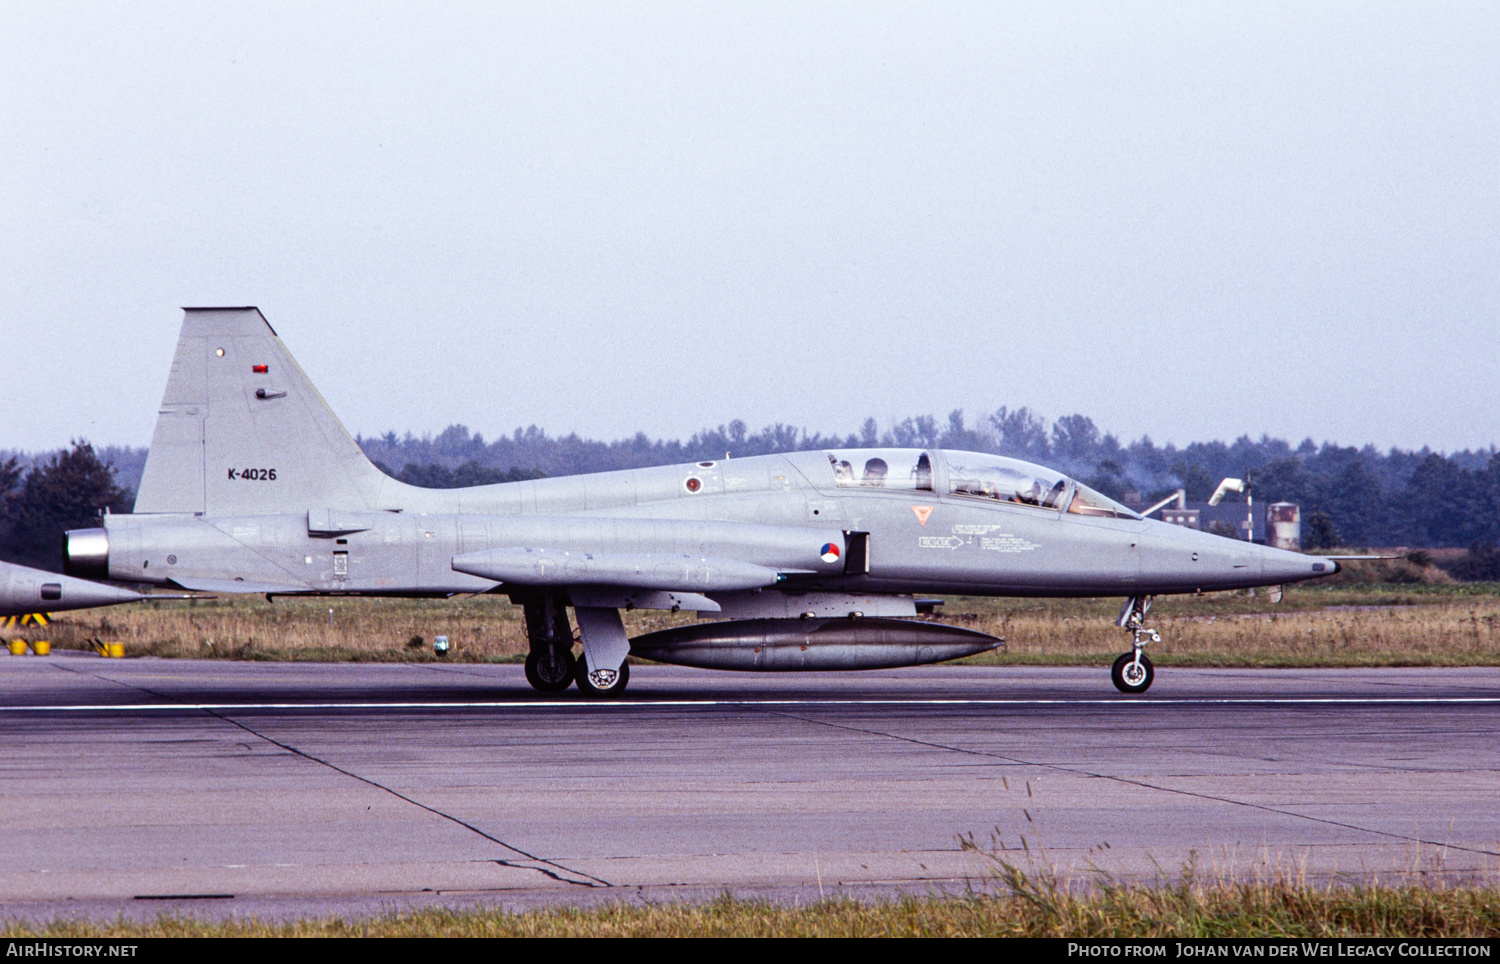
(24, 590)
(1282, 566)
(1177, 559)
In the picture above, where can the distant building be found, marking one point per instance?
(1284, 525)
(1182, 517)
(1285, 520)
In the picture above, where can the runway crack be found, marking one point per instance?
(549, 868)
(1079, 771)
(553, 874)
(578, 878)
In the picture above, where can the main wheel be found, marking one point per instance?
(550, 670)
(601, 682)
(1130, 676)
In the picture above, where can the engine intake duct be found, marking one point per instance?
(810, 644)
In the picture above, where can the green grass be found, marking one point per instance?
(1352, 624)
(1027, 907)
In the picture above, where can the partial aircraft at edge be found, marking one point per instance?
(25, 591)
(810, 560)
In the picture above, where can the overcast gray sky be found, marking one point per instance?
(1188, 220)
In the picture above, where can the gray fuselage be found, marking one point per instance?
(921, 538)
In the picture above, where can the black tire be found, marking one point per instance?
(1132, 681)
(587, 686)
(551, 675)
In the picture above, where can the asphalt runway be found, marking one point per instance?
(145, 786)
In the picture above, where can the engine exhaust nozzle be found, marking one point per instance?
(86, 553)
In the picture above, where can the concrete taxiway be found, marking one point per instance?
(282, 789)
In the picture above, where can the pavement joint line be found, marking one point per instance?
(589, 879)
(549, 868)
(1079, 771)
(647, 704)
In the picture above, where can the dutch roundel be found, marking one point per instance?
(830, 552)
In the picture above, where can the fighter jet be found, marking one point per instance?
(25, 591)
(810, 560)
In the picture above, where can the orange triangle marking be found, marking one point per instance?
(922, 511)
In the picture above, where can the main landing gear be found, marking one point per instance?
(602, 669)
(601, 682)
(550, 664)
(1133, 672)
(550, 670)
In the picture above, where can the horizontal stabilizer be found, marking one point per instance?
(237, 585)
(556, 567)
(332, 522)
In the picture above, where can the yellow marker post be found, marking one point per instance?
(41, 647)
(116, 650)
(18, 647)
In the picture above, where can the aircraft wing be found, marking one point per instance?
(659, 571)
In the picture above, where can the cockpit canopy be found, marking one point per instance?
(972, 475)
(908, 469)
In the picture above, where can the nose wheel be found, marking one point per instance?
(1133, 672)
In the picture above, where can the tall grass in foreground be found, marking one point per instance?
(1397, 625)
(1031, 908)
(1455, 631)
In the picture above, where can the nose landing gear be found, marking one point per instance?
(1133, 672)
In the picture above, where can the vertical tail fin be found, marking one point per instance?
(242, 431)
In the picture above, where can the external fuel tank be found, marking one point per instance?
(811, 644)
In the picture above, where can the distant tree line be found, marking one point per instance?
(435, 475)
(39, 502)
(1349, 496)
